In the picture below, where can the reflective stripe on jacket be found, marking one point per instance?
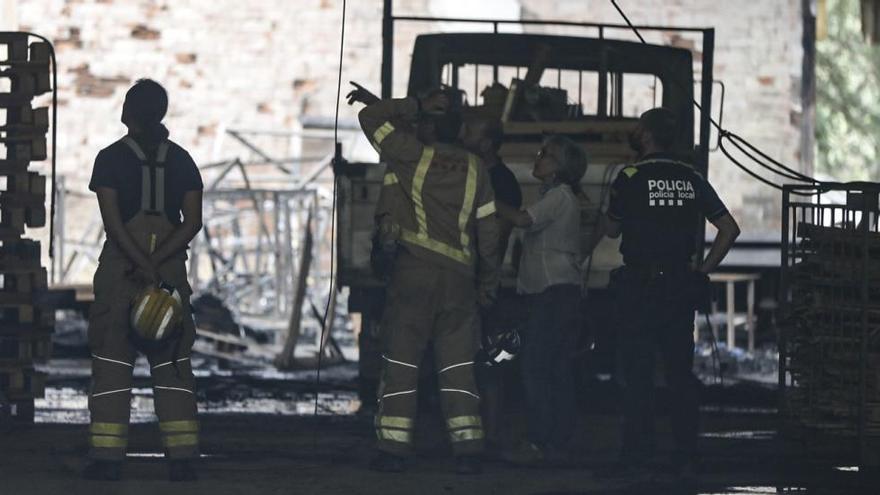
(448, 213)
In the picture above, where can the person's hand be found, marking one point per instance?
(701, 291)
(361, 94)
(149, 272)
(435, 102)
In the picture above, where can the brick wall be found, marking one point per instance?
(758, 55)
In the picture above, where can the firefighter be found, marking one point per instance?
(657, 206)
(382, 255)
(446, 228)
(143, 183)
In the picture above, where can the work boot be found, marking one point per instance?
(181, 470)
(387, 463)
(103, 471)
(468, 464)
(526, 454)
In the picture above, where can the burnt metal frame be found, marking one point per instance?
(73, 253)
(818, 212)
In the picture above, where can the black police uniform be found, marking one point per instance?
(501, 316)
(505, 185)
(659, 203)
(507, 191)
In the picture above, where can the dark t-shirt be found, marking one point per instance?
(659, 203)
(117, 167)
(505, 185)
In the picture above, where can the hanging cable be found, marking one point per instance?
(773, 166)
(734, 137)
(337, 156)
(717, 371)
(752, 157)
(758, 177)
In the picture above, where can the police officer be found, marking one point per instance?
(445, 222)
(144, 182)
(657, 205)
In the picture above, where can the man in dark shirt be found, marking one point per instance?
(150, 196)
(503, 180)
(497, 317)
(657, 205)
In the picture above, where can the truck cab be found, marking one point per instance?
(591, 90)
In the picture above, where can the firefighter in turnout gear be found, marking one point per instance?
(446, 263)
(143, 183)
(386, 237)
(658, 205)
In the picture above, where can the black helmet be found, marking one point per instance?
(499, 347)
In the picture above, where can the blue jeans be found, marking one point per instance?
(546, 364)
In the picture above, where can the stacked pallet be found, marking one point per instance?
(25, 327)
(834, 343)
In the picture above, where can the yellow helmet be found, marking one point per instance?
(156, 313)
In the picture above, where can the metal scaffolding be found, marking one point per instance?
(258, 211)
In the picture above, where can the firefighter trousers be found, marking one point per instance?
(427, 303)
(113, 357)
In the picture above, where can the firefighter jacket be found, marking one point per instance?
(442, 197)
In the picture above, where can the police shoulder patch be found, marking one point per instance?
(630, 171)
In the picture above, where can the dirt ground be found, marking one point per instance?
(266, 454)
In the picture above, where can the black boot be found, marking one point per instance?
(468, 464)
(103, 471)
(387, 463)
(181, 470)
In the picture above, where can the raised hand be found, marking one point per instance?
(361, 94)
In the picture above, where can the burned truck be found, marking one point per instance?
(589, 89)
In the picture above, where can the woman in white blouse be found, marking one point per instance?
(550, 279)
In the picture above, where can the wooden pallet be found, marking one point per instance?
(13, 166)
(23, 349)
(20, 256)
(27, 314)
(32, 147)
(12, 224)
(25, 120)
(27, 282)
(22, 410)
(22, 382)
(13, 328)
(27, 321)
(25, 198)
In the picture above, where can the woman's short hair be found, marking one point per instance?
(572, 159)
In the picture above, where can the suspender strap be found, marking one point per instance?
(152, 176)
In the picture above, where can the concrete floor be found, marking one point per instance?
(263, 454)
